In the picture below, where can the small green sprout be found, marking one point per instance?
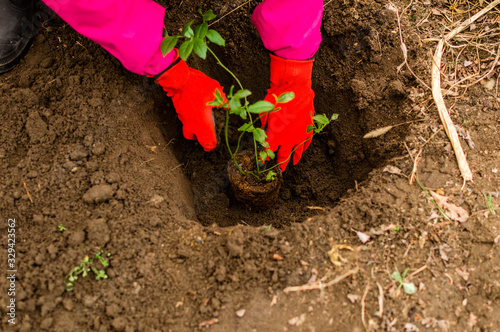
(268, 227)
(62, 228)
(397, 228)
(270, 176)
(83, 269)
(489, 203)
(408, 287)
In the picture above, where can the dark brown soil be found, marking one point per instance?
(87, 145)
(252, 190)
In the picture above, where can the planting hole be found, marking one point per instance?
(353, 76)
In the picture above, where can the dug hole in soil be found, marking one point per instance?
(91, 147)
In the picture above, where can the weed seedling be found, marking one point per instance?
(196, 39)
(489, 203)
(84, 268)
(62, 228)
(408, 287)
(266, 228)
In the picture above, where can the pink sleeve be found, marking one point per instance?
(290, 28)
(131, 30)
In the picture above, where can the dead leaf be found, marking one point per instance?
(363, 237)
(378, 132)
(422, 239)
(463, 273)
(353, 297)
(453, 212)
(442, 252)
(392, 169)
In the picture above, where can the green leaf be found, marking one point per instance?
(215, 38)
(396, 276)
(209, 15)
(286, 97)
(263, 155)
(218, 99)
(186, 49)
(334, 117)
(270, 176)
(201, 30)
(213, 103)
(321, 119)
(246, 127)
(260, 107)
(270, 153)
(168, 44)
(199, 48)
(310, 128)
(409, 288)
(242, 94)
(187, 31)
(234, 104)
(165, 32)
(405, 272)
(259, 135)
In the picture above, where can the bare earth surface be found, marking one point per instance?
(88, 145)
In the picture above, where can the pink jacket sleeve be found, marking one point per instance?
(131, 30)
(290, 28)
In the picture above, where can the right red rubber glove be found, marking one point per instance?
(191, 90)
(286, 129)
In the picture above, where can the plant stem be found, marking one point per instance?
(227, 114)
(226, 136)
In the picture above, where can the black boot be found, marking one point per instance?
(17, 31)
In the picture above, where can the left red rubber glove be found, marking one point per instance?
(191, 90)
(286, 129)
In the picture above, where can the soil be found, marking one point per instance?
(253, 191)
(90, 146)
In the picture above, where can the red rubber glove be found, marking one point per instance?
(191, 90)
(286, 129)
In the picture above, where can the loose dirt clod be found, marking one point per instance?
(99, 193)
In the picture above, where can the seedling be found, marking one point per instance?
(84, 268)
(268, 227)
(489, 203)
(408, 287)
(62, 228)
(196, 39)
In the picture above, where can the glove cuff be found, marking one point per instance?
(284, 71)
(175, 76)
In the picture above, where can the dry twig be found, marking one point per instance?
(438, 96)
(380, 312)
(319, 285)
(363, 306)
(229, 13)
(27, 192)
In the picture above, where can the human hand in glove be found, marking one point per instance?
(286, 129)
(191, 90)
